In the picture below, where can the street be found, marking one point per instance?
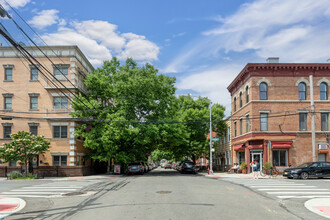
(163, 194)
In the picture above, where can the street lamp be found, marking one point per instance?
(211, 170)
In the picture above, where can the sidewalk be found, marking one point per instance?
(320, 206)
(9, 206)
(238, 175)
(101, 176)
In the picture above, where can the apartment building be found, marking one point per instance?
(30, 101)
(271, 112)
(223, 149)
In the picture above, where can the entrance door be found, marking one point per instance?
(258, 157)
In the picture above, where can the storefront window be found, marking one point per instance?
(280, 157)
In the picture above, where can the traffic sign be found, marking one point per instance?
(215, 139)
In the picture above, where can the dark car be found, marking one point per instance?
(310, 169)
(135, 168)
(187, 167)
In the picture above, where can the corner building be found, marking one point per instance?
(271, 113)
(32, 103)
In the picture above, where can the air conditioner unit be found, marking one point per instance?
(323, 146)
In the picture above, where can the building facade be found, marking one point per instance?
(223, 150)
(271, 113)
(32, 100)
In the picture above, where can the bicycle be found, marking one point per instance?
(273, 172)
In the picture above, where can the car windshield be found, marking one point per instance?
(303, 165)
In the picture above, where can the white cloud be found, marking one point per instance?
(14, 3)
(100, 40)
(45, 18)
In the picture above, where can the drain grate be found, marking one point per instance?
(74, 194)
(163, 192)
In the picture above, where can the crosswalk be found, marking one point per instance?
(47, 190)
(283, 189)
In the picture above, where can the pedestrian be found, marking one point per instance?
(254, 165)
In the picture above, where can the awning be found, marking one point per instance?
(237, 147)
(281, 145)
(323, 151)
(255, 146)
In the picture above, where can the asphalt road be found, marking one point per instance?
(164, 194)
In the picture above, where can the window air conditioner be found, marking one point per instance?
(323, 146)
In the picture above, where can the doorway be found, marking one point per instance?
(257, 155)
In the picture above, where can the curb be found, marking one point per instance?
(320, 206)
(9, 206)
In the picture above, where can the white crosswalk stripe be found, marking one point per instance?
(283, 189)
(43, 191)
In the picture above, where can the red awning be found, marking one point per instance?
(323, 151)
(255, 146)
(281, 145)
(237, 147)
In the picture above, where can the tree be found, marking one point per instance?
(23, 147)
(120, 108)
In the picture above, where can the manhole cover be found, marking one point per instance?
(163, 192)
(73, 194)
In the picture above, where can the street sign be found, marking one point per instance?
(215, 139)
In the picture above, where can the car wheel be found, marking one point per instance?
(290, 177)
(304, 175)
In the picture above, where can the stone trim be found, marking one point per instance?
(265, 80)
(7, 94)
(55, 66)
(59, 124)
(33, 124)
(264, 111)
(8, 66)
(323, 80)
(7, 124)
(59, 153)
(302, 79)
(34, 94)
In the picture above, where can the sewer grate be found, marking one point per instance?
(163, 192)
(74, 194)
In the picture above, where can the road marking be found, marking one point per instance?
(284, 186)
(31, 196)
(292, 189)
(298, 192)
(9, 193)
(302, 197)
(43, 190)
(50, 187)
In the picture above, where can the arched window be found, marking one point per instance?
(234, 104)
(324, 91)
(302, 91)
(247, 94)
(263, 91)
(240, 100)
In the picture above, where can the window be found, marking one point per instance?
(241, 126)
(59, 160)
(33, 102)
(60, 103)
(8, 103)
(280, 157)
(234, 104)
(247, 123)
(263, 121)
(302, 91)
(247, 94)
(228, 132)
(6, 131)
(263, 91)
(240, 100)
(324, 121)
(34, 74)
(61, 73)
(321, 158)
(34, 130)
(235, 129)
(60, 132)
(324, 91)
(302, 121)
(12, 163)
(8, 74)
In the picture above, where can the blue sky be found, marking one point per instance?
(204, 44)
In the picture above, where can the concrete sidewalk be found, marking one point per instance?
(101, 176)
(239, 175)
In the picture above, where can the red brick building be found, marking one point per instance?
(271, 113)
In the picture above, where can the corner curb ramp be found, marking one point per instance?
(320, 206)
(9, 206)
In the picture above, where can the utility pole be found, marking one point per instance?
(211, 170)
(311, 85)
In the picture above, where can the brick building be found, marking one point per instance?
(223, 150)
(271, 112)
(34, 104)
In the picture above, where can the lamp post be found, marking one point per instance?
(211, 170)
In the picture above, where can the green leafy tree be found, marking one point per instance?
(23, 147)
(122, 103)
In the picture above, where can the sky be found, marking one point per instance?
(204, 44)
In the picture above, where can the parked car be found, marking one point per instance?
(135, 168)
(187, 167)
(168, 165)
(310, 169)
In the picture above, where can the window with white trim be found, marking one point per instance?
(60, 160)
(60, 131)
(263, 121)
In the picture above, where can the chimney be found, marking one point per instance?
(273, 60)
